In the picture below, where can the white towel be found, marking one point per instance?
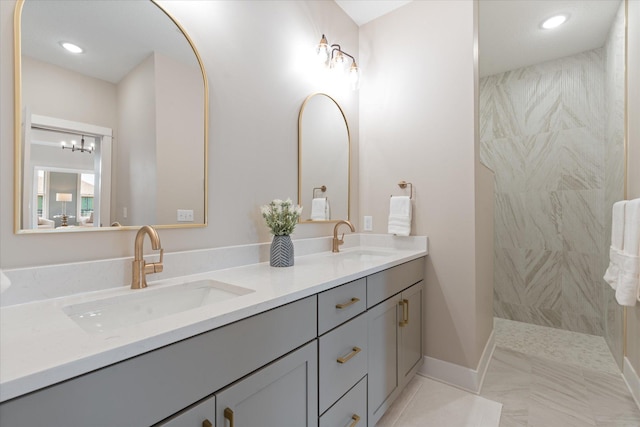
(615, 251)
(320, 210)
(628, 280)
(400, 215)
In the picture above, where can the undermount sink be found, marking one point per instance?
(148, 304)
(365, 255)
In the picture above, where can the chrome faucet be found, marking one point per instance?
(337, 242)
(140, 266)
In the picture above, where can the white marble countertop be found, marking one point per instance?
(41, 345)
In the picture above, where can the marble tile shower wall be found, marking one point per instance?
(614, 166)
(542, 132)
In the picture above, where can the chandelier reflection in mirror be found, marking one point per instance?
(333, 57)
(73, 147)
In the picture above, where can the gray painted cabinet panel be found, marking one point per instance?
(194, 416)
(386, 283)
(351, 407)
(383, 356)
(336, 378)
(353, 299)
(283, 393)
(410, 353)
(149, 388)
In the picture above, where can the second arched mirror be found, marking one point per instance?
(323, 160)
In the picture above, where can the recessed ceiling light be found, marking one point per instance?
(71, 47)
(554, 22)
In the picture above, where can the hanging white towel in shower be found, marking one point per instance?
(400, 215)
(617, 238)
(628, 278)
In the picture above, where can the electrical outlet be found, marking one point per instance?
(368, 223)
(185, 215)
(124, 212)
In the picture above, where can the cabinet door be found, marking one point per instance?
(410, 351)
(284, 393)
(383, 356)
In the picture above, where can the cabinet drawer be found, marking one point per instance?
(384, 284)
(342, 360)
(350, 410)
(195, 416)
(340, 304)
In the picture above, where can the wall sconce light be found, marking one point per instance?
(334, 57)
(81, 148)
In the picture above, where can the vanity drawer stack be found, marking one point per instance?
(342, 361)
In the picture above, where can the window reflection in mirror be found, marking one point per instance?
(139, 82)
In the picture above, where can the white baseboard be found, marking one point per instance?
(459, 376)
(633, 381)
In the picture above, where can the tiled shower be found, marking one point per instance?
(553, 134)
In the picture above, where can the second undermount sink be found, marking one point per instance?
(149, 304)
(365, 254)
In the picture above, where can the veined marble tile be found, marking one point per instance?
(506, 157)
(609, 400)
(543, 171)
(581, 284)
(497, 114)
(613, 325)
(543, 221)
(582, 323)
(528, 314)
(583, 97)
(592, 58)
(583, 220)
(537, 103)
(509, 282)
(543, 279)
(509, 220)
(581, 160)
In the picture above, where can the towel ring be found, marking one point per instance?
(323, 189)
(403, 185)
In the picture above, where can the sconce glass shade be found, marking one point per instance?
(323, 50)
(354, 75)
(64, 197)
(338, 61)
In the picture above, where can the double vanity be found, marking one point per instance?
(330, 342)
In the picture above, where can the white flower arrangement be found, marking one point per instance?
(281, 216)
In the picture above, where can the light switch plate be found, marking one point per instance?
(368, 223)
(185, 215)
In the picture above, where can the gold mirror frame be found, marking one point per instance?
(300, 147)
(17, 129)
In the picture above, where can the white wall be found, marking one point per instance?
(259, 58)
(417, 117)
(179, 133)
(135, 148)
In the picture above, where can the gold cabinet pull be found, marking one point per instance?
(348, 357)
(347, 304)
(356, 420)
(228, 415)
(207, 423)
(405, 312)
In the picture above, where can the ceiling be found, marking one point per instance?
(509, 30)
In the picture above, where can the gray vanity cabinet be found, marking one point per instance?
(283, 393)
(395, 331)
(201, 414)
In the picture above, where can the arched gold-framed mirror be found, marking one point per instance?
(135, 102)
(324, 152)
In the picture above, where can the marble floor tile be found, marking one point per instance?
(431, 403)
